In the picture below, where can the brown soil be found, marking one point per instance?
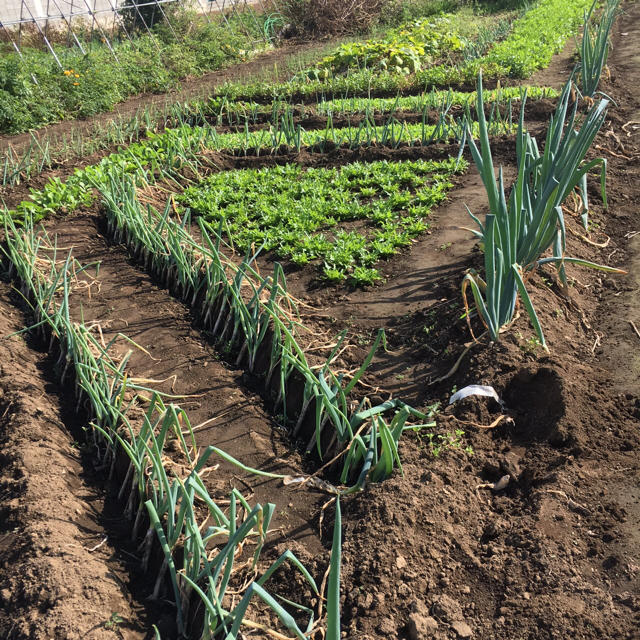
(556, 553)
(129, 302)
(436, 552)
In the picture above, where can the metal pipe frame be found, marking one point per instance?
(56, 13)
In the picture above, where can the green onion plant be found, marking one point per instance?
(199, 554)
(518, 231)
(243, 312)
(594, 46)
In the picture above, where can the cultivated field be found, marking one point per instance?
(234, 329)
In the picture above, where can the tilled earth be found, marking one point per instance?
(524, 529)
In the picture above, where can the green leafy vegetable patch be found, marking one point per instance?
(346, 219)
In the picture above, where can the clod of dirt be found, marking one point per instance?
(421, 626)
(447, 608)
(387, 628)
(462, 629)
(477, 409)
(510, 464)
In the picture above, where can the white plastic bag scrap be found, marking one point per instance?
(475, 390)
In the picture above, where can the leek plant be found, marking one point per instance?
(519, 231)
(19, 167)
(594, 47)
(241, 309)
(199, 554)
(333, 594)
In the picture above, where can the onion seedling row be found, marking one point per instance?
(291, 136)
(226, 112)
(201, 553)
(44, 153)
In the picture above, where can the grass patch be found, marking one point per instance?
(94, 83)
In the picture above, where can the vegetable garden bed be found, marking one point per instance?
(229, 288)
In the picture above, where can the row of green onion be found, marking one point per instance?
(249, 314)
(202, 544)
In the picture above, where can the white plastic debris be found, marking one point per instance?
(475, 390)
(310, 481)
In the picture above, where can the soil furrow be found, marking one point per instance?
(60, 575)
(127, 301)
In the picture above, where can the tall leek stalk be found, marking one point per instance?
(517, 232)
(594, 47)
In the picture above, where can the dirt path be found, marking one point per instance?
(620, 309)
(60, 576)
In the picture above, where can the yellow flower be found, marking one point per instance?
(67, 73)
(75, 84)
(77, 75)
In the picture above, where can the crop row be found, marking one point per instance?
(534, 39)
(254, 317)
(39, 156)
(242, 309)
(237, 113)
(201, 551)
(174, 151)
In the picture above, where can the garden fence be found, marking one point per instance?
(80, 23)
